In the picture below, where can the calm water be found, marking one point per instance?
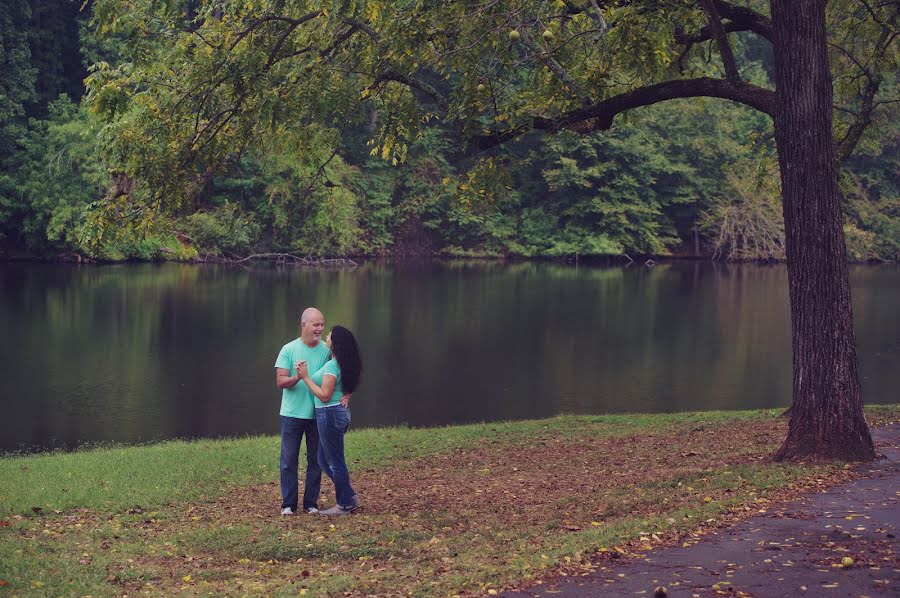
(136, 353)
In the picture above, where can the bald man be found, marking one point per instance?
(297, 412)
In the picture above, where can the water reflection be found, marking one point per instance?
(141, 352)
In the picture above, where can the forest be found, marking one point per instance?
(693, 177)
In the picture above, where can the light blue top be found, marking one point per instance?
(331, 368)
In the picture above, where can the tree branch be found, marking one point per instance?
(597, 16)
(603, 112)
(718, 32)
(555, 67)
(874, 78)
(749, 20)
(390, 75)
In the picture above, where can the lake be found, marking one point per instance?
(138, 353)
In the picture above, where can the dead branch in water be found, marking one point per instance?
(285, 259)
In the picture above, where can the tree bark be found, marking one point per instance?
(827, 418)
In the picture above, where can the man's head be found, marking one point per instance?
(312, 323)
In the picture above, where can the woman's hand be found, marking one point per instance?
(302, 369)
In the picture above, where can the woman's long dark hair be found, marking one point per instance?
(346, 351)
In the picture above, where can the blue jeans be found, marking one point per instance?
(292, 431)
(333, 423)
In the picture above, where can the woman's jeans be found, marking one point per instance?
(333, 423)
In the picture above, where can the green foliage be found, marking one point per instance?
(223, 229)
(872, 229)
(346, 128)
(55, 175)
(309, 204)
(54, 41)
(17, 83)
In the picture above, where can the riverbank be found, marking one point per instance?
(457, 510)
(70, 257)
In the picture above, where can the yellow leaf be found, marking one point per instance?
(186, 578)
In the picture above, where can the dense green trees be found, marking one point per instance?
(669, 179)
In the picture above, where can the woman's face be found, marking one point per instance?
(328, 340)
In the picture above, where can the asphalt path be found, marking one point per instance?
(796, 551)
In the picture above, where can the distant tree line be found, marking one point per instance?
(691, 177)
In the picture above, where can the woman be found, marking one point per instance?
(339, 376)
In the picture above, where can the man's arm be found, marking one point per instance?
(345, 400)
(283, 378)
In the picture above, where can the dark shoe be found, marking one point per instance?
(355, 503)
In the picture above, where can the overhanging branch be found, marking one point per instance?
(602, 113)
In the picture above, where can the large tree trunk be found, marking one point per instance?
(826, 416)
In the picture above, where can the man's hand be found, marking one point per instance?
(345, 400)
(302, 369)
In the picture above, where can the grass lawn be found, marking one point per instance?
(459, 510)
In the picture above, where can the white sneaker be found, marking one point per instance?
(287, 511)
(312, 510)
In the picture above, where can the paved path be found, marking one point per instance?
(791, 553)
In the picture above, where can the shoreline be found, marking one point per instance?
(587, 260)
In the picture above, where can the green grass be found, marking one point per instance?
(151, 476)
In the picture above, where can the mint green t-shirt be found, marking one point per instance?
(331, 368)
(298, 401)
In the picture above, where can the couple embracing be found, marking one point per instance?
(317, 378)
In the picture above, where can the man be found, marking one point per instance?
(297, 412)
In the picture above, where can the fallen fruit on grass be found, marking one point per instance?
(480, 87)
(846, 562)
(548, 35)
(514, 35)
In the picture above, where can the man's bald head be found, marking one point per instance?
(312, 323)
(310, 312)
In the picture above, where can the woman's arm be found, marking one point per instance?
(324, 392)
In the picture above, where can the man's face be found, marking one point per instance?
(311, 330)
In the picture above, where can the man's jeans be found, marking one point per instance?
(333, 423)
(292, 430)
